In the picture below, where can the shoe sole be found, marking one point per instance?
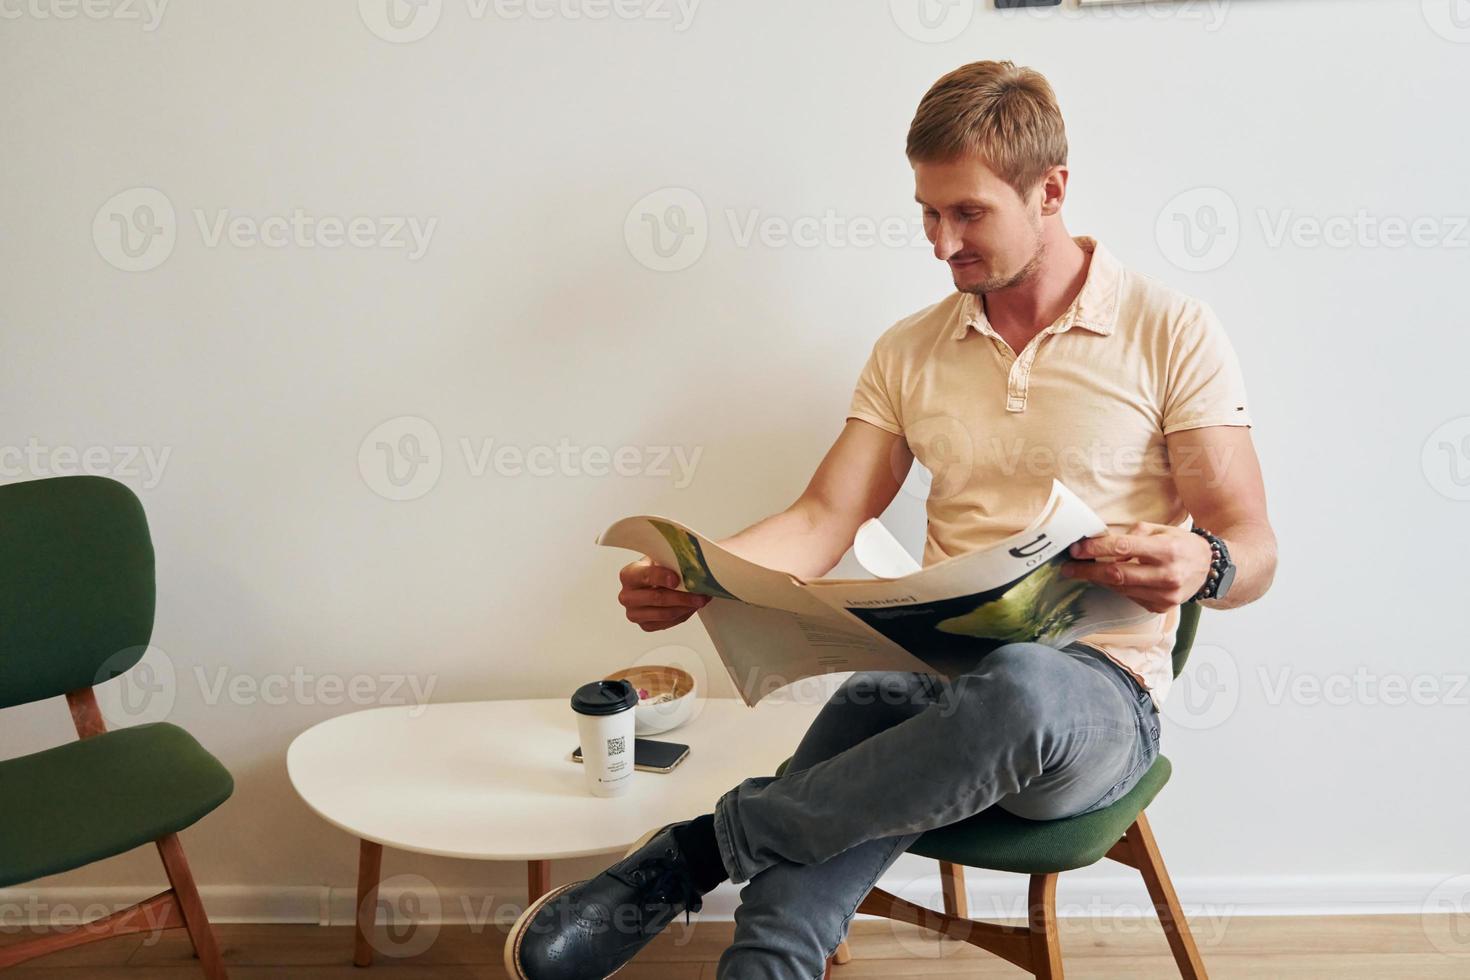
(517, 929)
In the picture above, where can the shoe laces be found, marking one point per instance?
(666, 881)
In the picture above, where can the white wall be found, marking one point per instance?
(261, 371)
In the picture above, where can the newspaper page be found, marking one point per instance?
(768, 630)
(772, 628)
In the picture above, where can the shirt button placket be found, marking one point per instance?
(1020, 378)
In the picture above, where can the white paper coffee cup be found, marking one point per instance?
(604, 711)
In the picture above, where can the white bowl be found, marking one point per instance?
(655, 713)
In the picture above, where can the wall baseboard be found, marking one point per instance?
(410, 898)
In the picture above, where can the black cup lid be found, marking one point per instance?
(604, 698)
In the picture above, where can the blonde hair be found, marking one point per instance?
(1006, 115)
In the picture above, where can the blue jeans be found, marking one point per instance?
(1039, 732)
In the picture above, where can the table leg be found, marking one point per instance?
(538, 879)
(369, 871)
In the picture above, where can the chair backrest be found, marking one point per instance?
(1184, 637)
(76, 585)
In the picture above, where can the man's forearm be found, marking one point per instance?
(796, 540)
(1253, 550)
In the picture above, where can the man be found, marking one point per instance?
(1049, 360)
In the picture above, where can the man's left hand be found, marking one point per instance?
(1156, 565)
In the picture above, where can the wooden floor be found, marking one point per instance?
(1342, 948)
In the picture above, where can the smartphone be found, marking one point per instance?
(651, 755)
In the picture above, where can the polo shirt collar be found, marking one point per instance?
(1095, 309)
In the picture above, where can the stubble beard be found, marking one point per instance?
(996, 283)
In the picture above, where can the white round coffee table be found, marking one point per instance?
(494, 781)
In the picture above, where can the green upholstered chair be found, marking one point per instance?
(998, 841)
(76, 610)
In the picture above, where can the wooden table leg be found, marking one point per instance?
(369, 871)
(538, 879)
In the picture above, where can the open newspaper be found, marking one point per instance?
(772, 628)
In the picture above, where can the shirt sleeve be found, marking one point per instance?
(1204, 383)
(871, 399)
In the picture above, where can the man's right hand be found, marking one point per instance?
(651, 597)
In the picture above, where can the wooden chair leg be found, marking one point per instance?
(952, 883)
(187, 895)
(369, 871)
(839, 956)
(1146, 858)
(150, 915)
(1046, 949)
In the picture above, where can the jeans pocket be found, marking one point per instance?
(1150, 717)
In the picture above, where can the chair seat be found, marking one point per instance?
(999, 841)
(96, 797)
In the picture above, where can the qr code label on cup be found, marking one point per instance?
(616, 746)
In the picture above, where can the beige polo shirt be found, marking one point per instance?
(1088, 401)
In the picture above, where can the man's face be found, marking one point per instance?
(989, 236)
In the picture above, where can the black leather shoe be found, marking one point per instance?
(589, 929)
